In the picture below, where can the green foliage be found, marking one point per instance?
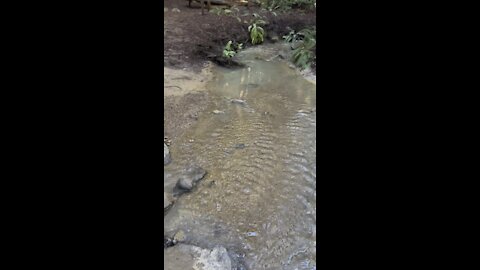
(305, 45)
(256, 34)
(291, 37)
(303, 58)
(284, 5)
(230, 49)
(216, 11)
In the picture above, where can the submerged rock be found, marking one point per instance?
(188, 257)
(166, 155)
(190, 178)
(240, 146)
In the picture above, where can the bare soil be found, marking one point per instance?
(185, 97)
(191, 38)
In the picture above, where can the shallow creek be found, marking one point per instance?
(258, 197)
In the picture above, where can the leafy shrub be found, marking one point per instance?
(305, 44)
(230, 50)
(256, 34)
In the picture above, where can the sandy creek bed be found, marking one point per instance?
(254, 131)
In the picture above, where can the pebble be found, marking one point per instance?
(240, 146)
(166, 155)
(179, 236)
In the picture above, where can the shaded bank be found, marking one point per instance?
(190, 38)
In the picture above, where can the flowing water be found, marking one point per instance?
(258, 198)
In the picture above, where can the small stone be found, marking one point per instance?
(179, 236)
(217, 112)
(240, 146)
(188, 257)
(166, 155)
(175, 10)
(185, 183)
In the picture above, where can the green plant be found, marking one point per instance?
(290, 37)
(228, 51)
(304, 53)
(303, 58)
(216, 11)
(256, 34)
(231, 49)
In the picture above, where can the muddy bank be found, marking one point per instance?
(185, 97)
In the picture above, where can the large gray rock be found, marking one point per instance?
(188, 257)
(166, 155)
(190, 178)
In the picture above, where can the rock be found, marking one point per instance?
(167, 242)
(217, 112)
(167, 201)
(240, 146)
(185, 183)
(179, 236)
(188, 257)
(175, 10)
(196, 173)
(166, 155)
(190, 178)
(167, 140)
(239, 101)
